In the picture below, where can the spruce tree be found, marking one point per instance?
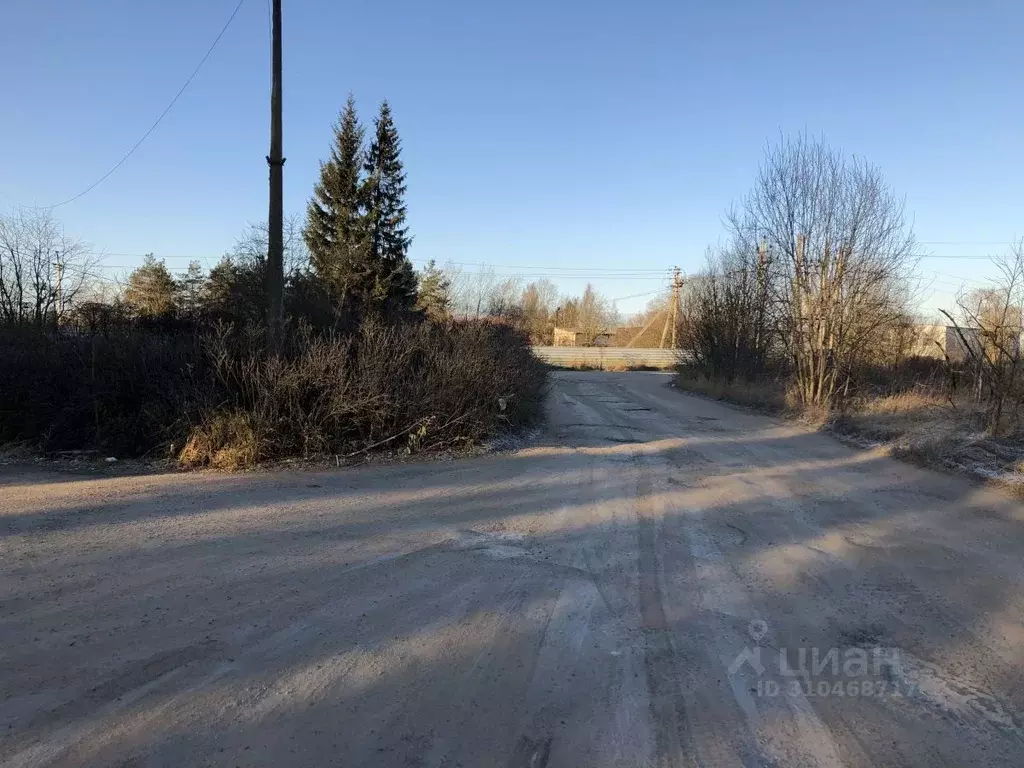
(434, 294)
(335, 231)
(219, 292)
(384, 198)
(189, 290)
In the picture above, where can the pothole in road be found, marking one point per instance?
(499, 545)
(864, 635)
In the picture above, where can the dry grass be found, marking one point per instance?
(768, 397)
(932, 431)
(614, 367)
(229, 441)
(890, 417)
(919, 426)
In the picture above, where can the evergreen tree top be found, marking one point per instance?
(355, 228)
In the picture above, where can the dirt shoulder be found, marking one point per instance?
(919, 427)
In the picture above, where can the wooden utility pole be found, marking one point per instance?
(672, 311)
(799, 317)
(677, 286)
(275, 219)
(762, 293)
(58, 265)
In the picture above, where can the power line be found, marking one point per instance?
(549, 276)
(569, 276)
(483, 266)
(944, 284)
(525, 267)
(958, 277)
(499, 275)
(966, 242)
(105, 254)
(639, 295)
(951, 256)
(535, 272)
(559, 269)
(159, 120)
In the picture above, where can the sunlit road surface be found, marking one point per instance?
(661, 581)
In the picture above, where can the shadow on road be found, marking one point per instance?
(577, 602)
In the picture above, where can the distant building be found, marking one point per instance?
(570, 337)
(943, 341)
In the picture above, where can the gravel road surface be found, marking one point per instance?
(660, 581)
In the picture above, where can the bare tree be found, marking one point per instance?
(539, 301)
(470, 290)
(597, 315)
(838, 256)
(504, 299)
(591, 315)
(252, 246)
(42, 270)
(481, 293)
(989, 324)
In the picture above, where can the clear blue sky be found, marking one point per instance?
(558, 134)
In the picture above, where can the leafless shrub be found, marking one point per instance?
(118, 389)
(725, 328)
(410, 387)
(221, 402)
(989, 324)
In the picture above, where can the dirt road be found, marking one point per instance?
(664, 581)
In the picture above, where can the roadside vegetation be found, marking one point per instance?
(808, 310)
(374, 357)
(535, 308)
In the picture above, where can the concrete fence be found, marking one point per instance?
(606, 357)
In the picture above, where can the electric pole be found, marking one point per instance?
(672, 311)
(677, 286)
(58, 265)
(275, 219)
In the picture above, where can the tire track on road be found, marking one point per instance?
(673, 739)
